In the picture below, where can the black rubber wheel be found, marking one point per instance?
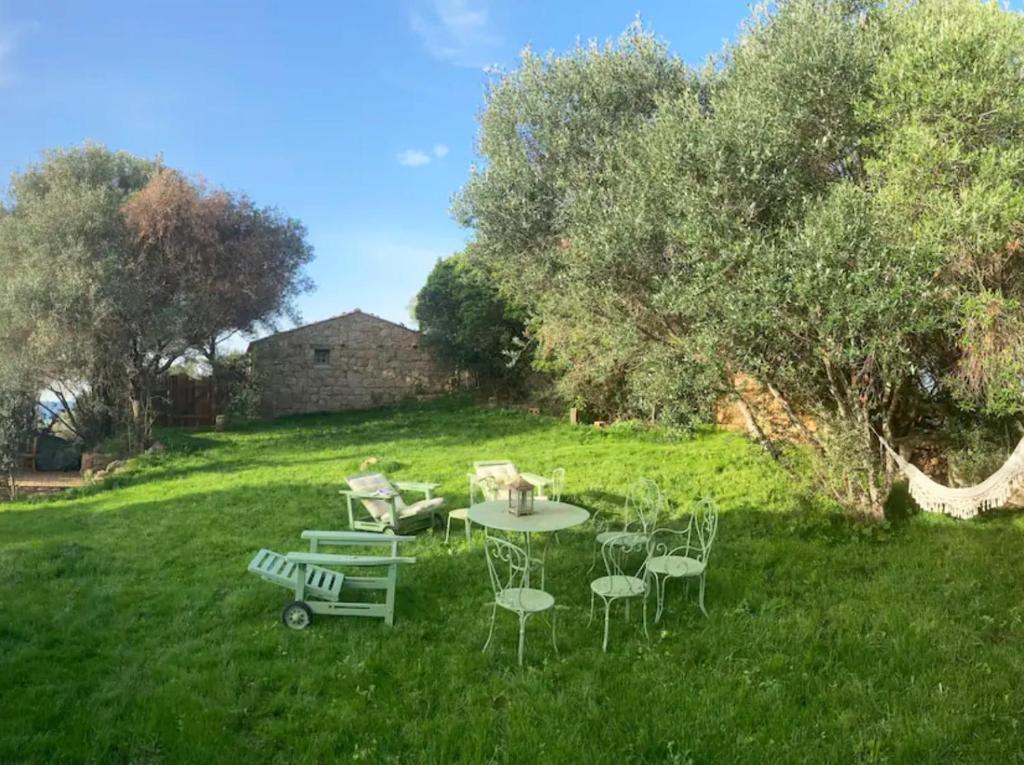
(297, 615)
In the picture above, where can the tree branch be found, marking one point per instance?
(793, 417)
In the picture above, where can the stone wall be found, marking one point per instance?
(369, 362)
(771, 416)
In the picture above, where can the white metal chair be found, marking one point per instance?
(555, 486)
(620, 582)
(459, 514)
(644, 504)
(683, 554)
(507, 566)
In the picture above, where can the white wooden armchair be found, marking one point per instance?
(383, 508)
(489, 480)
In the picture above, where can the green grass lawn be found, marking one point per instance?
(130, 631)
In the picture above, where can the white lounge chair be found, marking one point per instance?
(319, 587)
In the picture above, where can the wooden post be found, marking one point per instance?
(574, 416)
(300, 581)
(389, 595)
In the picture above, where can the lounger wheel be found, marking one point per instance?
(297, 615)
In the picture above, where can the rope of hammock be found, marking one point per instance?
(964, 501)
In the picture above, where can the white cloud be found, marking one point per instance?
(10, 37)
(413, 158)
(458, 31)
(6, 54)
(419, 157)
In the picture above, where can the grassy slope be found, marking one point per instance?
(129, 631)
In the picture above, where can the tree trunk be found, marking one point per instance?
(139, 399)
(750, 421)
(876, 503)
(211, 356)
(793, 417)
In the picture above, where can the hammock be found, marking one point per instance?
(966, 501)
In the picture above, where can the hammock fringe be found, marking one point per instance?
(965, 501)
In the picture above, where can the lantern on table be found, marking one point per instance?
(520, 497)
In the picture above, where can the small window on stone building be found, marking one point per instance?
(321, 357)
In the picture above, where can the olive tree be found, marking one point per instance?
(120, 266)
(18, 395)
(832, 205)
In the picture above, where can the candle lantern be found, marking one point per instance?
(520, 497)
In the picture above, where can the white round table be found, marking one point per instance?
(546, 516)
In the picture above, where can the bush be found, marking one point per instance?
(237, 392)
(17, 421)
(470, 326)
(977, 451)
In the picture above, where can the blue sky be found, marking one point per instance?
(358, 118)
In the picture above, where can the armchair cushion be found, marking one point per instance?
(501, 471)
(494, 477)
(380, 509)
(375, 483)
(423, 506)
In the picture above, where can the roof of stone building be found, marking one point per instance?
(339, 317)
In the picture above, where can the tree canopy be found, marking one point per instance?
(233, 266)
(120, 265)
(470, 325)
(833, 205)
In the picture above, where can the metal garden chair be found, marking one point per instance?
(459, 514)
(507, 566)
(555, 486)
(683, 554)
(644, 503)
(620, 581)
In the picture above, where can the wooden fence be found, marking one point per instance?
(186, 402)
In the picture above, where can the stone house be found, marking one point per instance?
(352, 361)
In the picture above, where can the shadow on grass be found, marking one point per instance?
(208, 537)
(900, 507)
(429, 421)
(187, 441)
(159, 473)
(355, 435)
(604, 501)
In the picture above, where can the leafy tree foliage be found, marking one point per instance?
(462, 316)
(234, 266)
(833, 205)
(18, 396)
(119, 266)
